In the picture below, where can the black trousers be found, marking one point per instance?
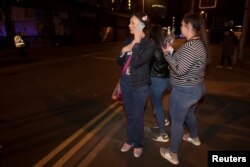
(226, 55)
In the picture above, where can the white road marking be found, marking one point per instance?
(53, 153)
(91, 156)
(84, 140)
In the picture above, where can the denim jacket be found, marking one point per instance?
(139, 66)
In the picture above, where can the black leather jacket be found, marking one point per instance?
(158, 65)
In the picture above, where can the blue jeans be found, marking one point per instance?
(134, 100)
(157, 88)
(182, 106)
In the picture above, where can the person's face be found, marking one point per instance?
(134, 24)
(186, 29)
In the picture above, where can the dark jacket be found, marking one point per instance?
(228, 43)
(139, 66)
(158, 65)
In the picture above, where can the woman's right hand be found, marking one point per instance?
(167, 49)
(125, 49)
(129, 47)
(138, 35)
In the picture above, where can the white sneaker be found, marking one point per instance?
(219, 66)
(137, 152)
(161, 138)
(166, 122)
(229, 67)
(165, 153)
(195, 141)
(126, 147)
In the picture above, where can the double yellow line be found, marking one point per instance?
(83, 141)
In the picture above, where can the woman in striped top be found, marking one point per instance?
(187, 70)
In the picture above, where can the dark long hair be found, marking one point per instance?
(141, 16)
(157, 34)
(198, 24)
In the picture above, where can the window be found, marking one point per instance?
(206, 4)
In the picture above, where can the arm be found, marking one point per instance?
(187, 56)
(120, 58)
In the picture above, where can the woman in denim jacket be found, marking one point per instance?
(135, 81)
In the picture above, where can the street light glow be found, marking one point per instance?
(129, 4)
(158, 6)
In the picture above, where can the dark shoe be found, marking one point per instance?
(161, 138)
(166, 123)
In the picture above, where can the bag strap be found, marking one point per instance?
(123, 71)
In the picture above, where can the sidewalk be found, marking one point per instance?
(223, 122)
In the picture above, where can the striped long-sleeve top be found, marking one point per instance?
(187, 65)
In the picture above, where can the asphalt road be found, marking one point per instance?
(46, 101)
(57, 111)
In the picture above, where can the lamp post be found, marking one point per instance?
(244, 31)
(192, 6)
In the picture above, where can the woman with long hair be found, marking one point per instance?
(187, 70)
(160, 81)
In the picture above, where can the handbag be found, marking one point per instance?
(117, 94)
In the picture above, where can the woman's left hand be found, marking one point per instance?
(138, 35)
